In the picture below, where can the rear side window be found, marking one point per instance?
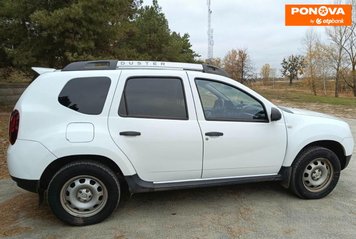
(161, 98)
(85, 95)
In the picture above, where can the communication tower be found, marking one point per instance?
(210, 33)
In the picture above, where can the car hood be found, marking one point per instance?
(306, 112)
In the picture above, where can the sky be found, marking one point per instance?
(257, 25)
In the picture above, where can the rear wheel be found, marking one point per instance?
(83, 193)
(315, 173)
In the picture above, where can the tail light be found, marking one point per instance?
(14, 126)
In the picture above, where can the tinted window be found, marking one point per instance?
(224, 102)
(85, 95)
(154, 98)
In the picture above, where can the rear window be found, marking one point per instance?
(161, 98)
(85, 95)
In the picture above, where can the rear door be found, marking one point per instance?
(153, 121)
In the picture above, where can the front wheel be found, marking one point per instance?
(83, 193)
(315, 173)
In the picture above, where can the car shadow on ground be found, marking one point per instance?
(23, 214)
(256, 209)
(208, 193)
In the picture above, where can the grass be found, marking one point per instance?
(299, 96)
(304, 97)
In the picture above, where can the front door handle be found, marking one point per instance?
(214, 134)
(130, 133)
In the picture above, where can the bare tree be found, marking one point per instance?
(350, 49)
(324, 64)
(311, 41)
(237, 63)
(339, 37)
(316, 61)
(231, 64)
(265, 73)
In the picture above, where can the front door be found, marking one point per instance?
(239, 139)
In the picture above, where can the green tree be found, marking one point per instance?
(180, 49)
(152, 32)
(155, 41)
(53, 33)
(15, 28)
(293, 67)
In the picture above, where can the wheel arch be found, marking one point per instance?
(54, 166)
(332, 145)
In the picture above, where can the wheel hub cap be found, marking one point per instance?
(83, 196)
(317, 175)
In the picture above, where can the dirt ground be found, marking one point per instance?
(263, 210)
(4, 117)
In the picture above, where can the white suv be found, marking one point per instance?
(82, 134)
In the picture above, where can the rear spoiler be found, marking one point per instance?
(42, 70)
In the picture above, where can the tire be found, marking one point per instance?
(83, 193)
(315, 174)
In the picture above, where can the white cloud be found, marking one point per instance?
(254, 24)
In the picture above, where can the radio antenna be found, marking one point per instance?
(210, 33)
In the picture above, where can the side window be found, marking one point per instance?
(86, 95)
(224, 102)
(161, 98)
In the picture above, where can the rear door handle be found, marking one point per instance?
(130, 133)
(214, 134)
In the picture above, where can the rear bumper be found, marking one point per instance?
(29, 185)
(27, 159)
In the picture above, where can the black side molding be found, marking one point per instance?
(137, 185)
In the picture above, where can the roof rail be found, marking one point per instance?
(214, 70)
(115, 64)
(91, 65)
(159, 65)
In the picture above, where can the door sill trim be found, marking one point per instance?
(214, 178)
(137, 185)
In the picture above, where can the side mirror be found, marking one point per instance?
(275, 114)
